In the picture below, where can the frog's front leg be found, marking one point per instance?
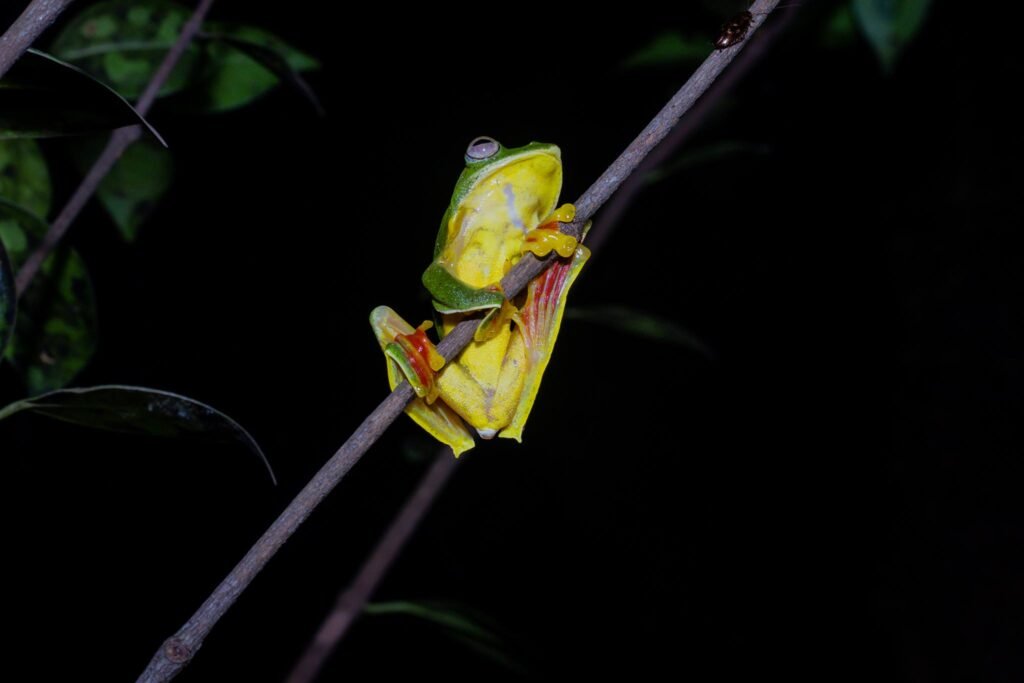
(547, 236)
(412, 356)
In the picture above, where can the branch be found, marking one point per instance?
(178, 650)
(26, 29)
(351, 602)
(119, 141)
(616, 207)
(357, 594)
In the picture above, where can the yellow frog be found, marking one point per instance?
(503, 206)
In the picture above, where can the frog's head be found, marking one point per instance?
(485, 156)
(521, 182)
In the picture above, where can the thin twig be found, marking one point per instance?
(178, 650)
(119, 141)
(26, 29)
(357, 594)
(612, 212)
(353, 599)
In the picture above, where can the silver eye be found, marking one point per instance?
(482, 148)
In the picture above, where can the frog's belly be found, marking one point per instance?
(483, 385)
(490, 252)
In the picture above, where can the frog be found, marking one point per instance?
(503, 206)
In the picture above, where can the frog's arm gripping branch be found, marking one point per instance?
(176, 652)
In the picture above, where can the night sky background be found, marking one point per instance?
(832, 493)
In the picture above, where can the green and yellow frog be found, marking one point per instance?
(503, 206)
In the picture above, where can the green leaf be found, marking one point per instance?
(135, 184)
(890, 25)
(840, 29)
(458, 622)
(668, 49)
(8, 299)
(20, 229)
(641, 324)
(277, 63)
(24, 177)
(719, 151)
(233, 78)
(123, 42)
(42, 96)
(56, 332)
(138, 410)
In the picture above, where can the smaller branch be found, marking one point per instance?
(119, 141)
(352, 600)
(26, 29)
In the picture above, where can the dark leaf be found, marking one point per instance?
(123, 42)
(42, 96)
(135, 184)
(233, 78)
(20, 230)
(458, 622)
(56, 332)
(841, 28)
(138, 410)
(668, 49)
(275, 62)
(703, 155)
(890, 25)
(640, 324)
(24, 178)
(8, 299)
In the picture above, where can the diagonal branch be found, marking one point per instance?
(26, 29)
(354, 597)
(178, 650)
(119, 141)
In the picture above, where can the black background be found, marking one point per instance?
(833, 495)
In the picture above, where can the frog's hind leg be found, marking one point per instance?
(398, 339)
(538, 321)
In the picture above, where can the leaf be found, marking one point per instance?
(8, 299)
(42, 96)
(20, 229)
(123, 42)
(135, 184)
(276, 63)
(840, 29)
(703, 155)
(457, 622)
(668, 49)
(56, 332)
(138, 410)
(641, 324)
(24, 177)
(233, 78)
(890, 25)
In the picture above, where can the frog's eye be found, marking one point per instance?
(482, 148)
